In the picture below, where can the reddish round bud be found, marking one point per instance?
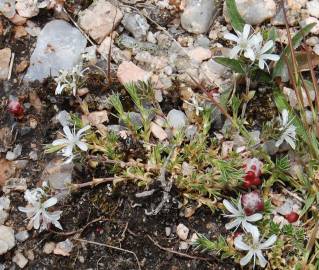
(292, 217)
(248, 179)
(252, 202)
(15, 108)
(256, 181)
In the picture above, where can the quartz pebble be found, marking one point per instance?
(7, 240)
(182, 231)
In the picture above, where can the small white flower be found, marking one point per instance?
(71, 140)
(194, 102)
(255, 250)
(288, 131)
(244, 41)
(37, 211)
(240, 218)
(260, 52)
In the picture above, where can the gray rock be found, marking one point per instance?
(176, 119)
(22, 236)
(254, 11)
(12, 155)
(313, 8)
(197, 16)
(59, 47)
(136, 25)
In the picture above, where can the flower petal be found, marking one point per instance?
(254, 217)
(253, 230)
(250, 54)
(268, 45)
(60, 142)
(230, 207)
(234, 52)
(50, 202)
(262, 261)
(246, 31)
(83, 146)
(68, 133)
(232, 37)
(245, 260)
(232, 224)
(272, 57)
(268, 243)
(68, 151)
(82, 130)
(240, 244)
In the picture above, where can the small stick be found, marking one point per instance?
(111, 247)
(11, 66)
(94, 182)
(176, 252)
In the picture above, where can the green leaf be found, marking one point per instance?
(308, 204)
(296, 40)
(233, 64)
(236, 20)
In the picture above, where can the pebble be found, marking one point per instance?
(59, 47)
(136, 25)
(183, 245)
(5, 56)
(182, 231)
(176, 119)
(7, 240)
(27, 8)
(22, 236)
(19, 259)
(315, 29)
(97, 20)
(254, 11)
(158, 132)
(49, 247)
(15, 184)
(7, 8)
(168, 231)
(197, 15)
(63, 248)
(129, 72)
(12, 155)
(200, 54)
(58, 174)
(313, 8)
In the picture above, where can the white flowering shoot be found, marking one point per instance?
(288, 131)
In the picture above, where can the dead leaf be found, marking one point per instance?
(19, 32)
(7, 170)
(95, 118)
(6, 139)
(35, 101)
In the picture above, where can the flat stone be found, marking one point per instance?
(176, 119)
(97, 19)
(49, 247)
(5, 56)
(18, 20)
(22, 236)
(7, 8)
(254, 11)
(128, 72)
(197, 15)
(182, 231)
(59, 47)
(7, 240)
(158, 132)
(20, 260)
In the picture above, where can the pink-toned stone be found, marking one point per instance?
(200, 54)
(129, 72)
(18, 20)
(97, 20)
(158, 132)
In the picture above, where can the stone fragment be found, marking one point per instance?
(49, 247)
(22, 66)
(63, 248)
(136, 25)
(176, 119)
(7, 8)
(313, 8)
(199, 54)
(18, 20)
(5, 56)
(197, 15)
(97, 20)
(59, 47)
(128, 72)
(7, 240)
(158, 132)
(182, 231)
(315, 29)
(20, 260)
(27, 8)
(22, 236)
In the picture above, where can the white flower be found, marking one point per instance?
(69, 80)
(71, 140)
(255, 250)
(260, 52)
(244, 41)
(194, 102)
(288, 131)
(240, 218)
(37, 211)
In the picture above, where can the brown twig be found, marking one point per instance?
(176, 252)
(95, 182)
(112, 247)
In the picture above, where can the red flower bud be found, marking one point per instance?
(15, 108)
(292, 217)
(252, 202)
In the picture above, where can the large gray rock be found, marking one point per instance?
(59, 47)
(197, 16)
(7, 240)
(254, 11)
